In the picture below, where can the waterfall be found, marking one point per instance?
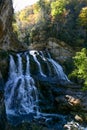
(12, 68)
(57, 67)
(20, 70)
(33, 53)
(21, 95)
(27, 65)
(22, 99)
(59, 71)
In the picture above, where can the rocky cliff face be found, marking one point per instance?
(60, 50)
(6, 12)
(7, 38)
(7, 42)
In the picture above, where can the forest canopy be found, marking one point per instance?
(62, 19)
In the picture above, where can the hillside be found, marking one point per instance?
(63, 20)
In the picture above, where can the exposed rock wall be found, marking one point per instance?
(8, 41)
(60, 50)
(6, 12)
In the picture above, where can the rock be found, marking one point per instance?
(61, 99)
(1, 29)
(84, 101)
(1, 83)
(3, 66)
(63, 105)
(78, 118)
(8, 41)
(2, 113)
(73, 126)
(60, 50)
(73, 101)
(36, 46)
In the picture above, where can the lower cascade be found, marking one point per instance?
(21, 90)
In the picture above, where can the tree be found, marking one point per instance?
(83, 17)
(83, 20)
(58, 7)
(44, 9)
(61, 19)
(80, 62)
(58, 12)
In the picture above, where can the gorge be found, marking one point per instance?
(35, 93)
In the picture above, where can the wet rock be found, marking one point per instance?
(1, 82)
(78, 118)
(60, 99)
(73, 101)
(2, 112)
(73, 126)
(84, 102)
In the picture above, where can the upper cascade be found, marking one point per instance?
(52, 69)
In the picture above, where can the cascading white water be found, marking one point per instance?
(20, 92)
(20, 70)
(21, 95)
(12, 68)
(59, 71)
(27, 66)
(33, 53)
(57, 67)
